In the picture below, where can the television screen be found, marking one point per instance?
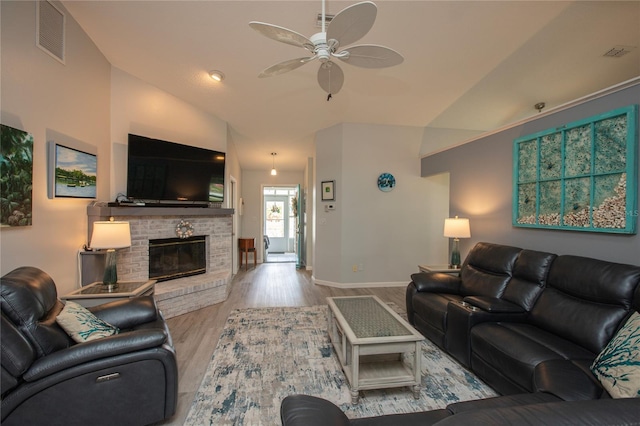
(166, 171)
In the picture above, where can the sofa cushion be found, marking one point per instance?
(487, 269)
(581, 303)
(82, 325)
(529, 278)
(517, 348)
(618, 365)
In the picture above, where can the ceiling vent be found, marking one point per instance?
(50, 29)
(327, 19)
(618, 51)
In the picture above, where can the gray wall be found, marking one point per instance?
(481, 189)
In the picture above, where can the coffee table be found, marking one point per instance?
(376, 347)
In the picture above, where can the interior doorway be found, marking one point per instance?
(280, 224)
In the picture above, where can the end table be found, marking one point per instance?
(97, 294)
(445, 269)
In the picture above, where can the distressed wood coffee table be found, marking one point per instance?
(376, 347)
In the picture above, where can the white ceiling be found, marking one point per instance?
(469, 65)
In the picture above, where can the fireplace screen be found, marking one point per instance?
(172, 258)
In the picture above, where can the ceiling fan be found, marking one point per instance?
(348, 26)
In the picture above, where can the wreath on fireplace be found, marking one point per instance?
(184, 229)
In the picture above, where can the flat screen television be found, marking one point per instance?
(161, 171)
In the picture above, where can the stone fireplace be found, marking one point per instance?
(187, 293)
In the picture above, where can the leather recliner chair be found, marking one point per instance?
(130, 378)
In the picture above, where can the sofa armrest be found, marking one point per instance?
(436, 282)
(568, 380)
(95, 349)
(566, 413)
(503, 401)
(305, 410)
(493, 304)
(127, 313)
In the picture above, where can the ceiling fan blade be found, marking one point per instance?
(330, 77)
(352, 23)
(282, 34)
(371, 56)
(286, 66)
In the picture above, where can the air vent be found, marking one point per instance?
(50, 29)
(618, 51)
(327, 19)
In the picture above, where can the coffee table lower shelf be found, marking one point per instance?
(382, 374)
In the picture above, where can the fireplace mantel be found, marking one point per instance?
(105, 211)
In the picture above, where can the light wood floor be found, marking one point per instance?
(196, 334)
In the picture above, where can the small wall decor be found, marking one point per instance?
(581, 177)
(386, 182)
(16, 180)
(73, 167)
(184, 229)
(327, 189)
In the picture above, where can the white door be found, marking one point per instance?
(279, 219)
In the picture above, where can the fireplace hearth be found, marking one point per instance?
(171, 258)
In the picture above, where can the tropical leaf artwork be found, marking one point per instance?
(16, 177)
(618, 365)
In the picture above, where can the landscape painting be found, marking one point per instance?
(16, 179)
(75, 173)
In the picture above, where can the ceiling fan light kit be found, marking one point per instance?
(347, 27)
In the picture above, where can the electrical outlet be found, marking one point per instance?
(361, 267)
(355, 268)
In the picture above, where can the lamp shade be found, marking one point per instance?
(457, 228)
(110, 235)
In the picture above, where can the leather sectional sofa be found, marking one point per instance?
(526, 321)
(129, 378)
(529, 324)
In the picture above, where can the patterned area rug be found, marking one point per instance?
(266, 354)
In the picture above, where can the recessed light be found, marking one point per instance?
(216, 75)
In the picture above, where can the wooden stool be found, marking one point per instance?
(246, 246)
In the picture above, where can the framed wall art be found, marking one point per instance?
(328, 188)
(73, 167)
(16, 181)
(582, 176)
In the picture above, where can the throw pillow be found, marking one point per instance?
(82, 325)
(618, 365)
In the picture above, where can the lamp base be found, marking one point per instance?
(455, 255)
(110, 278)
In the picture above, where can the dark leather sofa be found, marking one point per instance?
(526, 321)
(529, 324)
(517, 410)
(129, 378)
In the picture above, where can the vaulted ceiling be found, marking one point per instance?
(469, 65)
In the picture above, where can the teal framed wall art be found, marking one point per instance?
(582, 176)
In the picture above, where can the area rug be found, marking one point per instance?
(266, 354)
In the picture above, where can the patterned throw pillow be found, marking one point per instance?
(82, 325)
(618, 365)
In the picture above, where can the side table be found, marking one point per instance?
(439, 268)
(97, 294)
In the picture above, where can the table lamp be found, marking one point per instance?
(456, 228)
(110, 235)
